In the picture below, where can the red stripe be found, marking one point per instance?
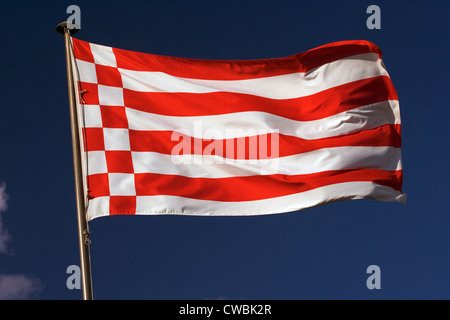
(161, 142)
(231, 69)
(317, 106)
(241, 69)
(255, 187)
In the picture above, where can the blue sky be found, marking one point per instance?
(318, 253)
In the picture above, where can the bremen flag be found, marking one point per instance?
(166, 135)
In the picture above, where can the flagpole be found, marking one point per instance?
(83, 228)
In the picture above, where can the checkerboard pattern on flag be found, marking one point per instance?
(166, 135)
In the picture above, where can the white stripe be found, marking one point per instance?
(288, 86)
(157, 205)
(338, 158)
(244, 124)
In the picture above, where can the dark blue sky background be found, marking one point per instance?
(318, 253)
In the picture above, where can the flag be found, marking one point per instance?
(168, 135)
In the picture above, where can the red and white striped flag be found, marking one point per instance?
(165, 135)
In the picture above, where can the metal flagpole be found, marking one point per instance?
(83, 228)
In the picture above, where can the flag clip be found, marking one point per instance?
(86, 233)
(81, 96)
